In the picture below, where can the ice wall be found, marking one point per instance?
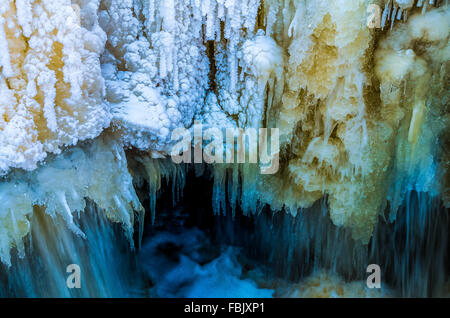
(362, 112)
(96, 171)
(51, 88)
(169, 62)
(155, 67)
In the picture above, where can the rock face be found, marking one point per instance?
(362, 112)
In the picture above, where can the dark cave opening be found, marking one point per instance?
(412, 251)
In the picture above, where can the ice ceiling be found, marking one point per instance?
(362, 112)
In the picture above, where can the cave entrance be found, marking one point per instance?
(275, 247)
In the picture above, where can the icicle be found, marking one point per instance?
(141, 223)
(236, 20)
(104, 258)
(162, 63)
(174, 188)
(46, 81)
(291, 28)
(210, 21)
(271, 19)
(180, 181)
(253, 12)
(205, 7)
(151, 12)
(218, 197)
(152, 199)
(67, 215)
(170, 52)
(394, 14)
(424, 8)
(228, 22)
(386, 13)
(126, 219)
(244, 11)
(233, 189)
(198, 20)
(168, 15)
(233, 65)
(117, 153)
(286, 15)
(218, 31)
(14, 223)
(270, 97)
(220, 11)
(24, 16)
(176, 83)
(5, 61)
(75, 195)
(399, 14)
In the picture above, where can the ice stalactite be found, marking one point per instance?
(339, 138)
(157, 79)
(96, 171)
(412, 77)
(157, 173)
(261, 62)
(238, 186)
(397, 10)
(51, 86)
(322, 113)
(156, 69)
(246, 62)
(309, 71)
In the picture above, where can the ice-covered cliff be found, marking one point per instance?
(51, 86)
(358, 90)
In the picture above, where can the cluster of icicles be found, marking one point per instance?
(234, 14)
(398, 9)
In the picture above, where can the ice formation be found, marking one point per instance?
(156, 68)
(51, 88)
(362, 112)
(89, 168)
(343, 138)
(342, 135)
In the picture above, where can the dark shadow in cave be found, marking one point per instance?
(412, 251)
